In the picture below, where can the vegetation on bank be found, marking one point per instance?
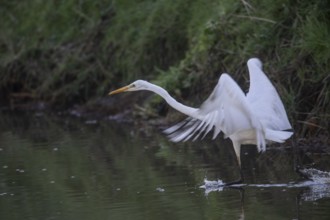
(71, 52)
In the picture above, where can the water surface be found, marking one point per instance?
(55, 167)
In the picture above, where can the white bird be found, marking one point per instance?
(253, 118)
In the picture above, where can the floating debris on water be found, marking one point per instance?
(160, 189)
(91, 122)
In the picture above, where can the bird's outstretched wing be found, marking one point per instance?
(226, 110)
(264, 99)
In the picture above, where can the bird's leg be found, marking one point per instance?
(241, 179)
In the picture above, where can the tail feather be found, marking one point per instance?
(277, 136)
(261, 142)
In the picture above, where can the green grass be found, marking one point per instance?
(71, 52)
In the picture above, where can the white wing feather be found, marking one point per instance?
(225, 110)
(264, 99)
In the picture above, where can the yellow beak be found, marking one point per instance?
(122, 89)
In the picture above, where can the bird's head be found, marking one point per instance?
(135, 86)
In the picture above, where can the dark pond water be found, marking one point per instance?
(60, 168)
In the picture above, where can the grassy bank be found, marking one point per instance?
(67, 53)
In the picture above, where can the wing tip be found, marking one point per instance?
(254, 62)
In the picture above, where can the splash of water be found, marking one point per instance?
(321, 188)
(212, 186)
(321, 177)
(318, 185)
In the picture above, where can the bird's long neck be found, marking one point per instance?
(171, 101)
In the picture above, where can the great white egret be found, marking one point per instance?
(255, 118)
